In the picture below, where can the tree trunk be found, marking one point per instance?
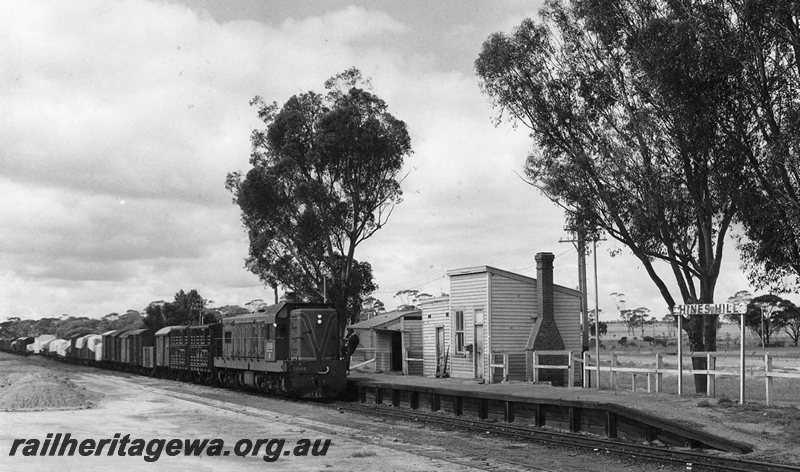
(702, 331)
(695, 329)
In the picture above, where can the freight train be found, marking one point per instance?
(291, 349)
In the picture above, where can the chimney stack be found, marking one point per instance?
(544, 284)
(545, 335)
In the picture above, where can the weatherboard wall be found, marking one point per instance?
(468, 293)
(513, 310)
(435, 314)
(567, 311)
(508, 302)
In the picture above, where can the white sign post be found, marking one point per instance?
(710, 309)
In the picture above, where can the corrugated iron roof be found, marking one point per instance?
(377, 322)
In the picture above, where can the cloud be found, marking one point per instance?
(121, 121)
(343, 26)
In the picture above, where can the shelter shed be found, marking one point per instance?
(393, 339)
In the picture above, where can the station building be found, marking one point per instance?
(490, 310)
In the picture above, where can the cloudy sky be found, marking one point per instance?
(121, 119)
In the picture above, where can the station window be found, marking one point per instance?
(459, 332)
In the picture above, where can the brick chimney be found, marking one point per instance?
(545, 335)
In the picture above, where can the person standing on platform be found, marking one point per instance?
(351, 344)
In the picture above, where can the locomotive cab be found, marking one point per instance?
(315, 351)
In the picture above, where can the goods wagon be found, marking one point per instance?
(205, 343)
(162, 348)
(179, 349)
(40, 342)
(76, 344)
(20, 345)
(92, 350)
(133, 346)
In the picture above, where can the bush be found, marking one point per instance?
(660, 342)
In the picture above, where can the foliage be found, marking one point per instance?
(186, 309)
(671, 322)
(68, 326)
(14, 327)
(361, 284)
(636, 318)
(370, 307)
(763, 316)
(623, 100)
(603, 328)
(742, 296)
(408, 298)
(765, 42)
(231, 310)
(789, 318)
(132, 319)
(324, 178)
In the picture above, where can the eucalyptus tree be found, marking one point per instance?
(623, 100)
(765, 127)
(325, 177)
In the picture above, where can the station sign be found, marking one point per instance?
(710, 309)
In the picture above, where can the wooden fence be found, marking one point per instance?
(654, 375)
(711, 372)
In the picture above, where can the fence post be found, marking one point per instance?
(584, 372)
(711, 364)
(505, 367)
(535, 367)
(528, 366)
(659, 375)
(767, 377)
(571, 370)
(611, 372)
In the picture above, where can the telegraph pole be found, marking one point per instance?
(580, 244)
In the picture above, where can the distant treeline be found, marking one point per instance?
(188, 308)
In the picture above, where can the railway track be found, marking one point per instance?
(692, 460)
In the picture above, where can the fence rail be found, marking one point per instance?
(711, 372)
(654, 375)
(503, 364)
(533, 365)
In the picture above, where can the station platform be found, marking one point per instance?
(688, 420)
